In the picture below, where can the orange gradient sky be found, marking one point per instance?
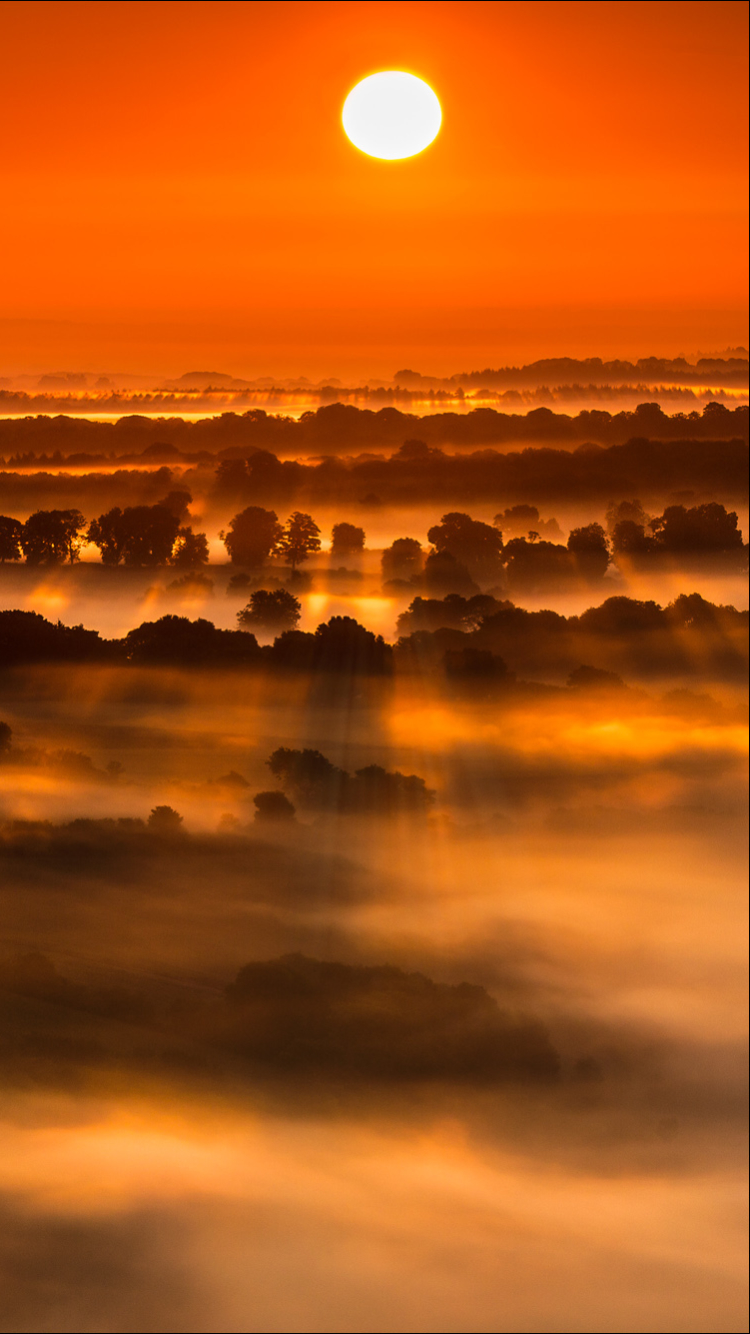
(179, 193)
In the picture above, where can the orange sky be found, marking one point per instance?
(179, 192)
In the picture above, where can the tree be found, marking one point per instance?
(630, 539)
(231, 477)
(590, 550)
(517, 520)
(375, 791)
(523, 520)
(343, 645)
(475, 666)
(51, 537)
(150, 533)
(190, 550)
(625, 511)
(347, 539)
(444, 573)
(622, 616)
(535, 566)
(164, 820)
(300, 537)
(178, 503)
(277, 610)
(176, 639)
(239, 583)
(25, 636)
(454, 611)
(108, 534)
(308, 775)
(273, 808)
(594, 678)
(11, 532)
(702, 528)
(139, 535)
(476, 545)
(403, 559)
(252, 536)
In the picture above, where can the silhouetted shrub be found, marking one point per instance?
(403, 559)
(443, 574)
(252, 536)
(273, 808)
(476, 545)
(139, 535)
(11, 532)
(347, 539)
(380, 1022)
(165, 820)
(26, 637)
(177, 640)
(275, 611)
(318, 784)
(51, 537)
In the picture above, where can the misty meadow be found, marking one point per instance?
(374, 545)
(399, 837)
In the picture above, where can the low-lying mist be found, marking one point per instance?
(388, 984)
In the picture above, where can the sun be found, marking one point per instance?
(391, 115)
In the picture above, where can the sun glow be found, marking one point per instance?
(392, 115)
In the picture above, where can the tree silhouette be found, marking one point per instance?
(535, 565)
(51, 537)
(300, 537)
(590, 550)
(475, 666)
(403, 559)
(231, 477)
(252, 536)
(630, 511)
(176, 639)
(308, 775)
(702, 528)
(273, 808)
(277, 610)
(139, 535)
(347, 539)
(319, 784)
(454, 611)
(190, 550)
(177, 502)
(375, 791)
(631, 539)
(108, 534)
(476, 545)
(444, 573)
(679, 532)
(11, 532)
(379, 1023)
(517, 520)
(343, 645)
(524, 521)
(164, 820)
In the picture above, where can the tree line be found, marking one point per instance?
(465, 555)
(152, 535)
(691, 636)
(341, 427)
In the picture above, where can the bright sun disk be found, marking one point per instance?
(391, 115)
